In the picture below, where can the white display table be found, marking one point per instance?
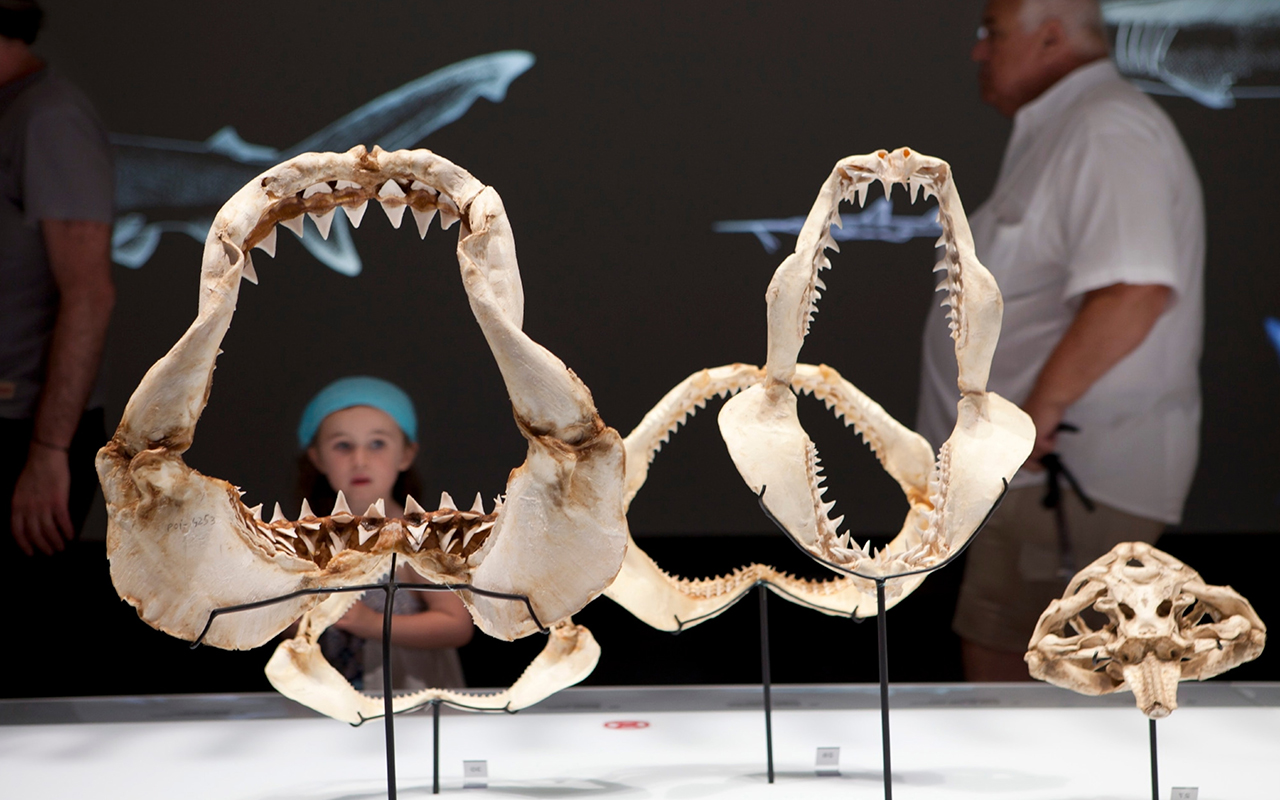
(1023, 742)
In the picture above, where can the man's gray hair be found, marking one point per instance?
(1081, 19)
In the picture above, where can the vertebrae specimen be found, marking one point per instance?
(948, 496)
(181, 544)
(1156, 633)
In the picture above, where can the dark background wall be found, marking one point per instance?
(638, 127)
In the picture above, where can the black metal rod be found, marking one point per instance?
(1155, 769)
(882, 641)
(765, 677)
(435, 747)
(388, 716)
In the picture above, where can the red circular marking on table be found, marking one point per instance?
(626, 724)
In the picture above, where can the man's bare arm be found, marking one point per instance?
(1111, 323)
(79, 254)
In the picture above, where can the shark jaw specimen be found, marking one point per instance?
(181, 544)
(949, 495)
(1156, 632)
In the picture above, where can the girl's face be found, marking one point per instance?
(361, 450)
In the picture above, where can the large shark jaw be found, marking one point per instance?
(1165, 625)
(182, 544)
(949, 496)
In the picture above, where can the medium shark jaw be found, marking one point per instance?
(182, 544)
(949, 496)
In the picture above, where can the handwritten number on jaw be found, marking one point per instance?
(196, 522)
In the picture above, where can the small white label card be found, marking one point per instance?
(1184, 793)
(828, 761)
(475, 774)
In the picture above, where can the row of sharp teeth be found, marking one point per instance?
(307, 527)
(861, 188)
(392, 198)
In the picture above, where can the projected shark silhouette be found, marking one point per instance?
(877, 222)
(172, 185)
(1212, 51)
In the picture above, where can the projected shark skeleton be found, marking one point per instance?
(1176, 47)
(184, 181)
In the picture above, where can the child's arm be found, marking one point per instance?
(445, 623)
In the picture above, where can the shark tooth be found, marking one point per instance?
(355, 213)
(341, 511)
(323, 222)
(449, 212)
(411, 506)
(294, 224)
(861, 192)
(422, 187)
(913, 189)
(248, 272)
(286, 530)
(268, 243)
(318, 188)
(483, 526)
(377, 509)
(466, 537)
(256, 511)
(416, 535)
(835, 523)
(478, 506)
(286, 545)
(365, 534)
(446, 502)
(423, 220)
(338, 545)
(446, 539)
(340, 185)
(888, 188)
(395, 213)
(277, 515)
(309, 541)
(306, 512)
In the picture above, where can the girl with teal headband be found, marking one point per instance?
(360, 436)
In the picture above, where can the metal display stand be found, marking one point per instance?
(1155, 770)
(390, 585)
(882, 631)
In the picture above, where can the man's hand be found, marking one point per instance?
(1111, 323)
(40, 518)
(1046, 416)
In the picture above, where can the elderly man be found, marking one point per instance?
(55, 292)
(1095, 234)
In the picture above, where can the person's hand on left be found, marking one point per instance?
(40, 518)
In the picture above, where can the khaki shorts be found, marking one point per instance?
(1011, 570)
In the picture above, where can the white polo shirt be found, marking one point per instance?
(1096, 188)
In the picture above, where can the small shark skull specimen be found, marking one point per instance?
(948, 495)
(181, 544)
(1164, 625)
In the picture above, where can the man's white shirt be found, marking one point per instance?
(1096, 188)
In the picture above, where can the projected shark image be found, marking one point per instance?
(877, 222)
(171, 185)
(1212, 51)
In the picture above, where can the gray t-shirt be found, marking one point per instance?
(55, 163)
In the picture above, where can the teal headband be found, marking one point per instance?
(358, 390)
